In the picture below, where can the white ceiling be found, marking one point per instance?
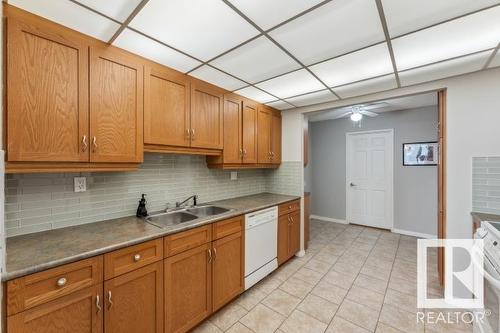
(395, 104)
(293, 53)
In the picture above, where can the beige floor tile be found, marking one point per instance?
(398, 299)
(371, 283)
(448, 328)
(262, 319)
(308, 275)
(366, 297)
(346, 268)
(404, 286)
(269, 284)
(296, 287)
(339, 279)
(239, 328)
(318, 308)
(376, 272)
(330, 292)
(207, 327)
(281, 302)
(383, 328)
(228, 315)
(300, 322)
(380, 262)
(250, 298)
(358, 314)
(400, 319)
(318, 266)
(326, 257)
(339, 325)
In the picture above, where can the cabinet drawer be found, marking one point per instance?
(186, 240)
(130, 258)
(39, 288)
(289, 207)
(227, 227)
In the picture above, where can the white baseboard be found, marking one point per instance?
(413, 233)
(328, 219)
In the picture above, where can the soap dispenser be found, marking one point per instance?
(141, 210)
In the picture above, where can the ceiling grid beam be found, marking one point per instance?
(383, 21)
(129, 19)
(492, 56)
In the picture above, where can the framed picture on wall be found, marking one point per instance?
(420, 154)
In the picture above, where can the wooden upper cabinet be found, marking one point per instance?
(166, 108)
(249, 144)
(207, 116)
(232, 130)
(116, 106)
(134, 301)
(264, 135)
(47, 94)
(276, 137)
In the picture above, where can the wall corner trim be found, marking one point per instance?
(328, 219)
(413, 233)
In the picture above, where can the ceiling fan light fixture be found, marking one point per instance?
(356, 116)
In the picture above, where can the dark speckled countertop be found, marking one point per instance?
(39, 251)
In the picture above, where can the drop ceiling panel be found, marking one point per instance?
(468, 34)
(214, 76)
(202, 28)
(363, 64)
(256, 61)
(410, 15)
(256, 94)
(280, 105)
(496, 61)
(444, 69)
(291, 84)
(267, 14)
(367, 87)
(70, 15)
(117, 9)
(322, 96)
(336, 28)
(148, 48)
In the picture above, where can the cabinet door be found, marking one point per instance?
(188, 289)
(79, 312)
(232, 130)
(276, 138)
(264, 136)
(166, 108)
(207, 116)
(228, 269)
(283, 231)
(134, 301)
(250, 115)
(307, 214)
(294, 234)
(116, 106)
(47, 95)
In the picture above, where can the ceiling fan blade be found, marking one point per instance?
(343, 115)
(375, 106)
(369, 113)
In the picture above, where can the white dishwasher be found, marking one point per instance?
(261, 245)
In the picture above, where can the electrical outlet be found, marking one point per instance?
(234, 175)
(80, 184)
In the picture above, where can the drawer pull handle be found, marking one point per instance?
(61, 282)
(84, 143)
(137, 257)
(215, 253)
(97, 304)
(209, 255)
(109, 299)
(94, 143)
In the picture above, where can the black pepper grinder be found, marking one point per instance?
(141, 210)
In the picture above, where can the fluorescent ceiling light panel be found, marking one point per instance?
(256, 61)
(291, 84)
(117, 9)
(214, 76)
(70, 15)
(336, 28)
(322, 96)
(267, 14)
(404, 16)
(496, 61)
(202, 28)
(367, 87)
(466, 35)
(148, 48)
(363, 64)
(256, 94)
(280, 105)
(444, 69)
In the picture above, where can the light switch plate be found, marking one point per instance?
(80, 184)
(234, 175)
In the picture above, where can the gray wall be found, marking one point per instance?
(415, 188)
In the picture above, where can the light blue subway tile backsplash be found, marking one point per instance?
(37, 202)
(486, 185)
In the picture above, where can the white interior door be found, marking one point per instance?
(370, 178)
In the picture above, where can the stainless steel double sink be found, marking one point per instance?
(171, 218)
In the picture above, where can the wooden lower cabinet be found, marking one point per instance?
(188, 289)
(134, 301)
(228, 269)
(307, 218)
(78, 312)
(288, 236)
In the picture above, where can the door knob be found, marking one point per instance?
(352, 184)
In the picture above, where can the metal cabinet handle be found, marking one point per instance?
(241, 152)
(188, 135)
(209, 255)
(137, 257)
(291, 218)
(84, 143)
(97, 304)
(109, 299)
(94, 143)
(192, 133)
(61, 282)
(244, 152)
(215, 253)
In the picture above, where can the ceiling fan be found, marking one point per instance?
(357, 112)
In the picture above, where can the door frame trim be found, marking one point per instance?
(391, 186)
